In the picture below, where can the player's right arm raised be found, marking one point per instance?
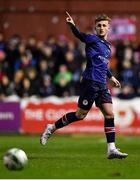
(69, 19)
(86, 38)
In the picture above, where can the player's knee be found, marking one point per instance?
(80, 116)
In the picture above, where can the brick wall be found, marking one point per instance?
(44, 17)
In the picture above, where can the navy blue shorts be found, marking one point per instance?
(92, 91)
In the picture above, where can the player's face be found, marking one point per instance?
(102, 28)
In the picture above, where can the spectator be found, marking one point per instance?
(62, 81)
(34, 81)
(6, 88)
(27, 89)
(136, 70)
(47, 88)
(32, 47)
(127, 73)
(17, 82)
(43, 68)
(47, 54)
(71, 61)
(4, 66)
(127, 92)
(2, 42)
(24, 62)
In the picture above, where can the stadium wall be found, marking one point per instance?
(44, 17)
(31, 115)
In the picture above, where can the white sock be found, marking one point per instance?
(111, 146)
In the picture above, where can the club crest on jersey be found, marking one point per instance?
(85, 102)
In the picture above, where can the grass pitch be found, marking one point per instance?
(69, 157)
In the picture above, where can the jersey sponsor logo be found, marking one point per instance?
(85, 102)
(109, 91)
(103, 58)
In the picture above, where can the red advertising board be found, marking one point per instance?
(35, 115)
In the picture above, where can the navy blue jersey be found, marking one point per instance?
(98, 53)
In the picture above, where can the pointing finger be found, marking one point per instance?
(68, 14)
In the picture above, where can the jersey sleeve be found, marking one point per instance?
(86, 38)
(109, 74)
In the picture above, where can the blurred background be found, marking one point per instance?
(41, 63)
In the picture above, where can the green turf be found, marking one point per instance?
(78, 156)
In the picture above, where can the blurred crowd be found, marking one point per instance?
(54, 67)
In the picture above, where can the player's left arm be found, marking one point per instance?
(115, 82)
(113, 79)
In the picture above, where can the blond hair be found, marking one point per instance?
(102, 17)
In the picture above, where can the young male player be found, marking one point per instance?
(94, 84)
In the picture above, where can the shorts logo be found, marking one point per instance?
(85, 102)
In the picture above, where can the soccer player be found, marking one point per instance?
(93, 85)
